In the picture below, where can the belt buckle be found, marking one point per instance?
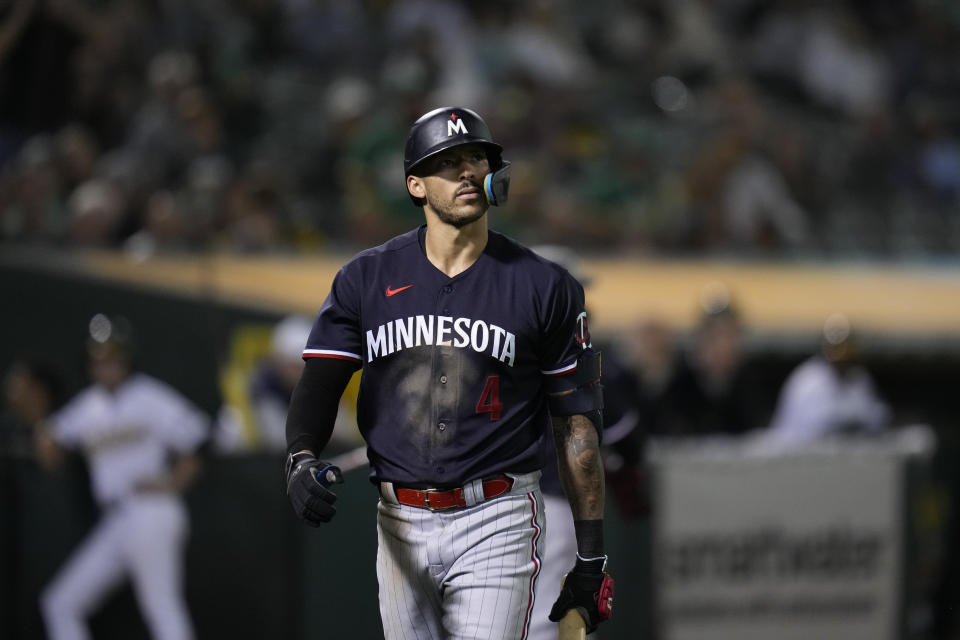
(426, 500)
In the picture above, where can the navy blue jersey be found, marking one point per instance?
(453, 368)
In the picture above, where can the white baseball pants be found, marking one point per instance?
(462, 573)
(141, 539)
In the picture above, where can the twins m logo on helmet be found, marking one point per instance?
(442, 331)
(456, 125)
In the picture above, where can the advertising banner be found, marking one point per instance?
(788, 548)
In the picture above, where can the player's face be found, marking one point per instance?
(453, 184)
(720, 345)
(108, 367)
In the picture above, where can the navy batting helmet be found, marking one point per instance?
(448, 127)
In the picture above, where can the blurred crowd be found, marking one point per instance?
(775, 127)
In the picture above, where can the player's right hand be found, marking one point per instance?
(307, 482)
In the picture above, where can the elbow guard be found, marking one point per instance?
(577, 391)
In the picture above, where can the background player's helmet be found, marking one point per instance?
(448, 127)
(110, 333)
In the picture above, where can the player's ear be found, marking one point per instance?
(415, 187)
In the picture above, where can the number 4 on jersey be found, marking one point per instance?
(489, 401)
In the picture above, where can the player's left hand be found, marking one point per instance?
(588, 588)
(307, 482)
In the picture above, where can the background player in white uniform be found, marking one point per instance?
(127, 425)
(261, 404)
(828, 394)
(469, 343)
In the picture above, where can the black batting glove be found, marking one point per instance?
(588, 589)
(307, 482)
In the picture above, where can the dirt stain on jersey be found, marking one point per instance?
(415, 383)
(437, 387)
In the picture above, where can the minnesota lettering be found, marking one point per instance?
(442, 331)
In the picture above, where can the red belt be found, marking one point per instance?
(440, 499)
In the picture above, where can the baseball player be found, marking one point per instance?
(469, 343)
(127, 425)
(260, 403)
(829, 393)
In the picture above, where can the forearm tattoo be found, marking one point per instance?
(581, 467)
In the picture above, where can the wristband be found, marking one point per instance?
(589, 538)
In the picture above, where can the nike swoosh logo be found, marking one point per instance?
(393, 292)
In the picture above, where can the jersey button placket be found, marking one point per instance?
(446, 289)
(442, 377)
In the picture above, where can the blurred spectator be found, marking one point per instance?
(743, 199)
(779, 127)
(544, 44)
(824, 51)
(838, 65)
(709, 388)
(440, 36)
(697, 44)
(324, 30)
(253, 214)
(760, 209)
(77, 154)
(714, 390)
(140, 439)
(96, 211)
(830, 393)
(164, 227)
(652, 356)
(158, 139)
(33, 208)
(256, 419)
(938, 161)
